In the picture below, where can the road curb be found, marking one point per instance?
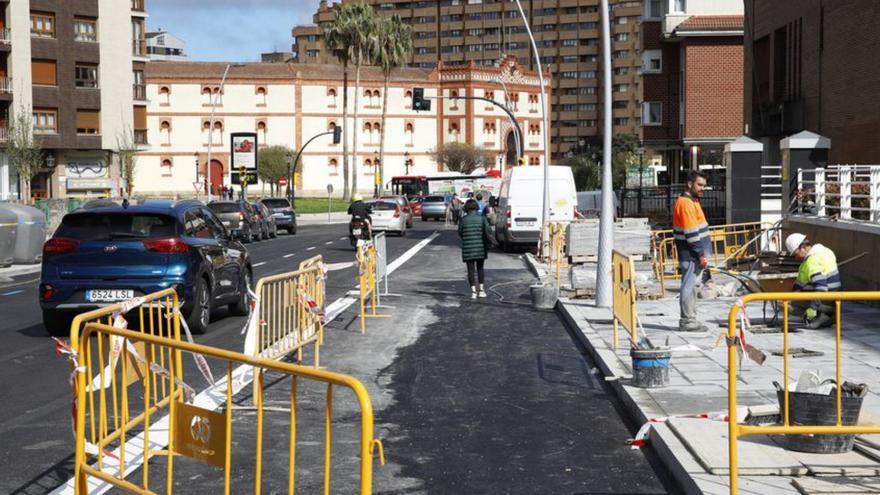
(663, 446)
(16, 270)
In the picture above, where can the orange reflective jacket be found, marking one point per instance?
(690, 229)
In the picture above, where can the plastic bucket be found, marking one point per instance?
(544, 295)
(809, 409)
(650, 367)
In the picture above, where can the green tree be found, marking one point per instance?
(585, 171)
(24, 150)
(126, 149)
(337, 36)
(462, 157)
(625, 156)
(364, 40)
(393, 48)
(272, 165)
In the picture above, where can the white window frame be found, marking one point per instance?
(646, 113)
(647, 56)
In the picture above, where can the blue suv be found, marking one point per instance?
(108, 253)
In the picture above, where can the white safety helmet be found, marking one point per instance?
(794, 241)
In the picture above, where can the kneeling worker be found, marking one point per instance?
(817, 273)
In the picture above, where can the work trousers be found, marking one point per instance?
(690, 272)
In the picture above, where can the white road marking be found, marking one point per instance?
(12, 293)
(309, 249)
(212, 398)
(259, 264)
(289, 255)
(343, 238)
(328, 243)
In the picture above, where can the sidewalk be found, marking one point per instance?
(695, 451)
(322, 218)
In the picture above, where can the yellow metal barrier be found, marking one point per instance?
(738, 430)
(202, 434)
(729, 242)
(366, 257)
(289, 312)
(110, 417)
(623, 289)
(557, 247)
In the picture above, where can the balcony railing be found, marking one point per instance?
(137, 5)
(140, 91)
(5, 85)
(139, 48)
(140, 136)
(845, 192)
(4, 133)
(5, 36)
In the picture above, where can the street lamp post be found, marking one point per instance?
(641, 152)
(211, 125)
(545, 213)
(606, 230)
(516, 136)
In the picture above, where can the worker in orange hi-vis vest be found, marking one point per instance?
(691, 232)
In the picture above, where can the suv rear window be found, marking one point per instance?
(223, 207)
(435, 199)
(384, 206)
(107, 226)
(276, 203)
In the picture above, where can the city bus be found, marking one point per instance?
(414, 186)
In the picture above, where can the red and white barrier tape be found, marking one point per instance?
(201, 362)
(641, 438)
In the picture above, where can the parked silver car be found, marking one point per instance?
(434, 207)
(404, 207)
(238, 217)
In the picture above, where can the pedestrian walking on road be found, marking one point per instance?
(691, 232)
(474, 232)
(456, 208)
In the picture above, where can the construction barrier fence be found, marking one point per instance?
(623, 290)
(367, 286)
(557, 247)
(736, 344)
(197, 432)
(103, 371)
(729, 242)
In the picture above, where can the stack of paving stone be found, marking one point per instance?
(631, 236)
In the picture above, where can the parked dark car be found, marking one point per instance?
(267, 221)
(285, 216)
(104, 255)
(239, 218)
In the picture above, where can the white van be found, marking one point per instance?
(520, 203)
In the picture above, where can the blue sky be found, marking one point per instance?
(230, 30)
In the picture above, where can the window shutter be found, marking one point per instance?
(88, 119)
(140, 117)
(43, 72)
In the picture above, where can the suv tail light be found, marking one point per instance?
(240, 216)
(58, 245)
(509, 223)
(397, 212)
(46, 292)
(168, 245)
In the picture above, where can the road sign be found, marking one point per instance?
(329, 188)
(282, 181)
(198, 186)
(251, 177)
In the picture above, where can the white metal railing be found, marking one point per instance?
(5, 85)
(847, 192)
(5, 36)
(771, 181)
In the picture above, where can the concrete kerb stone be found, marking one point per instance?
(322, 218)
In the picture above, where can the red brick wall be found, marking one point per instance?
(840, 74)
(713, 87)
(663, 87)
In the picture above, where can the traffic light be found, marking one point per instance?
(522, 161)
(419, 102)
(337, 134)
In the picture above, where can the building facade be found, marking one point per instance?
(72, 65)
(162, 45)
(287, 104)
(692, 89)
(812, 65)
(568, 37)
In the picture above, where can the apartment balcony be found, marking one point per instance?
(139, 48)
(4, 133)
(5, 37)
(140, 136)
(138, 8)
(139, 92)
(5, 88)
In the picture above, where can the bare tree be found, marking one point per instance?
(127, 152)
(462, 157)
(25, 150)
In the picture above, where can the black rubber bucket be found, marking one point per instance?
(819, 410)
(650, 367)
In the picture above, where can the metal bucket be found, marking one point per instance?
(544, 295)
(650, 367)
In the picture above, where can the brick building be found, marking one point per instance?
(692, 90)
(567, 33)
(812, 65)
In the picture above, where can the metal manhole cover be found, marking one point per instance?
(798, 352)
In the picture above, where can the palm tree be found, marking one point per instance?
(393, 49)
(362, 33)
(337, 36)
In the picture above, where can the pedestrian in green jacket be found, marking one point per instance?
(474, 232)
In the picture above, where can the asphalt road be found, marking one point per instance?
(35, 398)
